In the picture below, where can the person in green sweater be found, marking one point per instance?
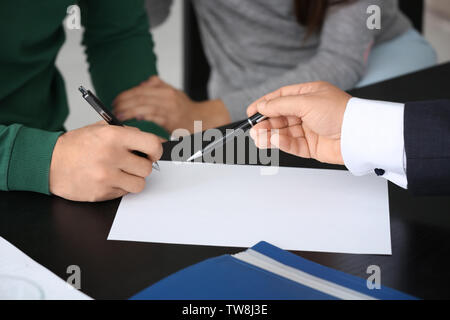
(93, 163)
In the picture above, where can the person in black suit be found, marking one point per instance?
(408, 144)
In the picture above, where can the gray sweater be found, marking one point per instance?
(257, 46)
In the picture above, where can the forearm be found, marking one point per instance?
(25, 157)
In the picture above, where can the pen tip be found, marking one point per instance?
(156, 166)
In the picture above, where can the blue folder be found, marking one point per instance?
(263, 272)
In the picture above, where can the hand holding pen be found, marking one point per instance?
(108, 116)
(94, 163)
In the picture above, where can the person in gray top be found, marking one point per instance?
(257, 46)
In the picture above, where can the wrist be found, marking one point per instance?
(30, 160)
(53, 181)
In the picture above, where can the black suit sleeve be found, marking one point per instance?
(427, 147)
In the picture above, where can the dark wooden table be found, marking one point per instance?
(58, 233)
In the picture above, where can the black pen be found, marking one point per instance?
(108, 116)
(244, 126)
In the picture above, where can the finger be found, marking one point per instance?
(296, 146)
(128, 182)
(252, 109)
(135, 165)
(138, 112)
(152, 97)
(262, 137)
(278, 123)
(154, 81)
(146, 115)
(296, 89)
(114, 193)
(146, 99)
(294, 131)
(130, 93)
(144, 142)
(274, 123)
(140, 92)
(297, 106)
(303, 88)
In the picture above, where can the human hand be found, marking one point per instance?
(304, 120)
(94, 163)
(154, 100)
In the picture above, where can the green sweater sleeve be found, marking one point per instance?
(119, 46)
(25, 157)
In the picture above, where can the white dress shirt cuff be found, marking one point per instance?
(372, 138)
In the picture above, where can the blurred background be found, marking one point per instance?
(169, 48)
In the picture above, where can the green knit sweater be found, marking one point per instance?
(33, 104)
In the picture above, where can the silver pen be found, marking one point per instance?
(244, 126)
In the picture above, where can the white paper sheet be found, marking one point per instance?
(17, 265)
(232, 205)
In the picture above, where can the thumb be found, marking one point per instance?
(297, 146)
